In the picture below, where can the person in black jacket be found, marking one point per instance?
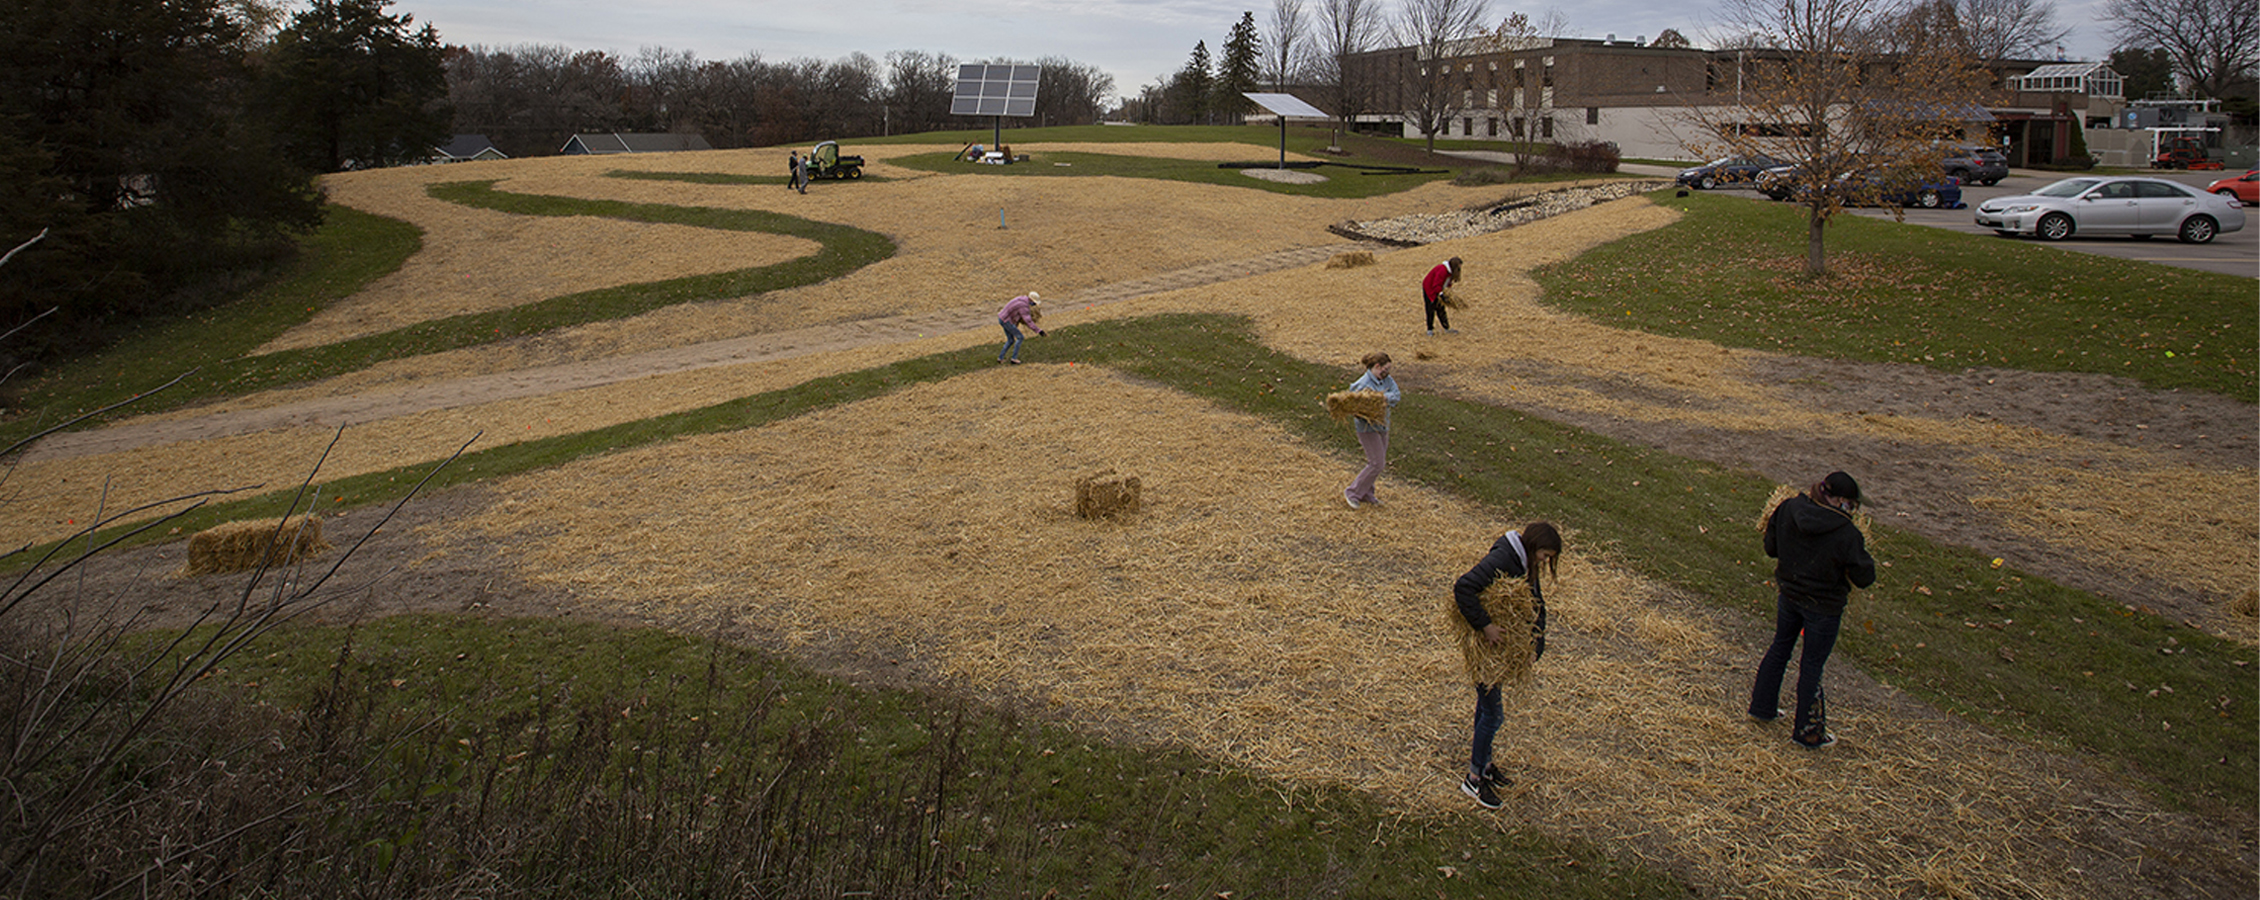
(1820, 557)
(1516, 555)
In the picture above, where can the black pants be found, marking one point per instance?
(1436, 315)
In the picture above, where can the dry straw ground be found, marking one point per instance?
(930, 535)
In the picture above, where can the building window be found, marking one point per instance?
(1549, 82)
(1493, 123)
(1592, 115)
(1514, 126)
(1546, 127)
(1467, 127)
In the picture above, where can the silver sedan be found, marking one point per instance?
(2094, 205)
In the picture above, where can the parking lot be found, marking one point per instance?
(2234, 253)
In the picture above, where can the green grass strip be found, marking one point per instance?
(226, 372)
(1732, 273)
(2172, 707)
(1339, 183)
(350, 250)
(721, 179)
(537, 722)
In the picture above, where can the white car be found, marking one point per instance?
(2100, 204)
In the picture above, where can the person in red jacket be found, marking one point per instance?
(1446, 274)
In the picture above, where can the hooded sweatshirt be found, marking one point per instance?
(1821, 556)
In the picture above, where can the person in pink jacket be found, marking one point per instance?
(1026, 309)
(1446, 274)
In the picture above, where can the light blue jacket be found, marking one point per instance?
(1387, 387)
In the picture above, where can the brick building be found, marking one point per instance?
(1650, 100)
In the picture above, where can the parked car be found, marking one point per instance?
(1975, 164)
(1729, 170)
(1784, 182)
(2245, 188)
(2136, 206)
(2184, 153)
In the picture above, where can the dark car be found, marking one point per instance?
(1975, 165)
(1784, 182)
(1730, 170)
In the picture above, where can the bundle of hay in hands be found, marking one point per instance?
(1450, 299)
(1509, 603)
(1368, 405)
(1859, 514)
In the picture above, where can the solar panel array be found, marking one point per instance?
(994, 90)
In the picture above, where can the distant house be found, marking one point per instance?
(467, 148)
(600, 144)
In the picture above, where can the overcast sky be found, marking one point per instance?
(1136, 41)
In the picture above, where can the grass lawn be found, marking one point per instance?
(634, 762)
(1733, 273)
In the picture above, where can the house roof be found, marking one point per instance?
(2066, 70)
(619, 142)
(468, 146)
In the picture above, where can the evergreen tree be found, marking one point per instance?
(1193, 87)
(1240, 69)
(124, 134)
(2145, 70)
(350, 85)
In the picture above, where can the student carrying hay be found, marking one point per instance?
(1488, 619)
(1372, 424)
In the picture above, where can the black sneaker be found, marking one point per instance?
(1495, 778)
(1481, 791)
(1824, 740)
(1778, 713)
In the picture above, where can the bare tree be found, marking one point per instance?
(2213, 42)
(2010, 29)
(1345, 28)
(1830, 97)
(1290, 43)
(1440, 33)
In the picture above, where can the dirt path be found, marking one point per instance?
(364, 407)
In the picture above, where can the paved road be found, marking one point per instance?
(2235, 253)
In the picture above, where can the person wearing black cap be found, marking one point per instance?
(1820, 556)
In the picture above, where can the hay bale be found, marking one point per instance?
(1350, 259)
(1371, 406)
(1507, 662)
(241, 546)
(1859, 514)
(1104, 494)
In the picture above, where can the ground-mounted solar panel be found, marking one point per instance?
(995, 90)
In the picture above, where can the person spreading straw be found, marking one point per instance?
(1026, 309)
(1489, 619)
(1820, 556)
(1373, 433)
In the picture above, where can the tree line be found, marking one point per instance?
(529, 99)
(2202, 48)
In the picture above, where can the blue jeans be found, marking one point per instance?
(1011, 342)
(1489, 715)
(1819, 630)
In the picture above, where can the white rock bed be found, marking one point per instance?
(1425, 228)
